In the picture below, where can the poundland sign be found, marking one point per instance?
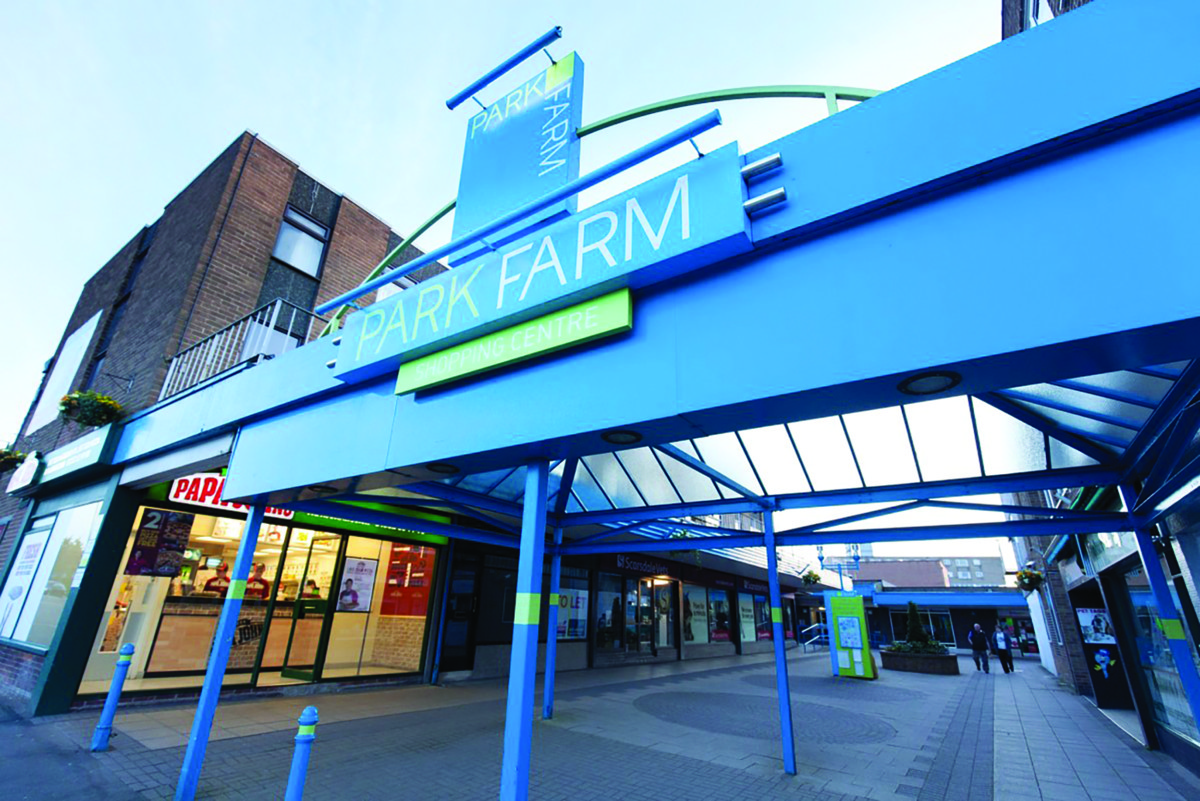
(690, 216)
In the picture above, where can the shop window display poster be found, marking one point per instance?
(1096, 626)
(159, 544)
(19, 579)
(358, 585)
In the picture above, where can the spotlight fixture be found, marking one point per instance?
(441, 468)
(621, 437)
(323, 489)
(930, 383)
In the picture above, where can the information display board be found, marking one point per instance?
(850, 649)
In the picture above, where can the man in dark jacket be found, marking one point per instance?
(1002, 645)
(979, 647)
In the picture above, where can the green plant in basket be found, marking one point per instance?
(89, 408)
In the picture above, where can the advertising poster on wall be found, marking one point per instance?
(358, 585)
(719, 619)
(20, 578)
(410, 571)
(746, 616)
(1096, 626)
(572, 614)
(159, 544)
(695, 614)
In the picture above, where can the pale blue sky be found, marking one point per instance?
(111, 108)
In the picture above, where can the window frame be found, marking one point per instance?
(307, 226)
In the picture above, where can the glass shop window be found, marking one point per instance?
(610, 613)
(572, 604)
(763, 630)
(695, 614)
(718, 616)
(49, 562)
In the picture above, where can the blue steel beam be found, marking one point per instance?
(783, 692)
(985, 485)
(1172, 450)
(218, 658)
(1008, 528)
(1159, 421)
(1048, 427)
(662, 545)
(1058, 406)
(518, 715)
(1179, 487)
(840, 521)
(615, 167)
(505, 66)
(1035, 511)
(445, 492)
(564, 486)
(1169, 621)
(360, 515)
(612, 532)
(552, 628)
(1106, 393)
(716, 475)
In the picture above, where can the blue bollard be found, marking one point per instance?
(304, 740)
(104, 727)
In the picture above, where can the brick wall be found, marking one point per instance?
(398, 643)
(19, 672)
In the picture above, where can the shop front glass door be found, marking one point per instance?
(305, 588)
(664, 609)
(646, 617)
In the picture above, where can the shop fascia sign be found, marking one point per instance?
(25, 478)
(87, 453)
(205, 489)
(639, 565)
(549, 266)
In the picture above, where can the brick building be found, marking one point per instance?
(227, 276)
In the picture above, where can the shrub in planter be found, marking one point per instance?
(89, 408)
(917, 639)
(810, 578)
(10, 458)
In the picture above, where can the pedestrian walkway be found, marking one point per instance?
(695, 730)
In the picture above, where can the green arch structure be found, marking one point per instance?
(832, 95)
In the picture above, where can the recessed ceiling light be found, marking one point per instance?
(441, 468)
(930, 383)
(621, 437)
(324, 489)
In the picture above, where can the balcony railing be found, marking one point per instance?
(265, 333)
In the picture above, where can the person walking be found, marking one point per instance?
(979, 647)
(1002, 645)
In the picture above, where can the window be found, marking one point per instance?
(301, 242)
(63, 375)
(695, 614)
(572, 604)
(964, 574)
(978, 574)
(960, 562)
(976, 562)
(45, 568)
(96, 368)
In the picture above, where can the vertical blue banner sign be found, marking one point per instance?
(520, 148)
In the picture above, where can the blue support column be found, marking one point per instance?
(193, 759)
(781, 676)
(518, 716)
(441, 632)
(1168, 615)
(552, 629)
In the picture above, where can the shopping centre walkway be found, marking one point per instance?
(694, 730)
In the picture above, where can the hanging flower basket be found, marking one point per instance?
(89, 408)
(1029, 580)
(10, 458)
(810, 578)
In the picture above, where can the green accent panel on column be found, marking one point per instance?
(121, 659)
(560, 71)
(307, 729)
(554, 599)
(776, 614)
(237, 589)
(1172, 627)
(528, 609)
(574, 325)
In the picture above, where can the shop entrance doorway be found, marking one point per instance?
(652, 616)
(310, 562)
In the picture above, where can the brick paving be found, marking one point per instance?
(699, 730)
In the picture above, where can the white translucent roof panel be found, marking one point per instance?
(620, 490)
(724, 453)
(483, 482)
(586, 490)
(512, 487)
(881, 444)
(1143, 386)
(1093, 403)
(1064, 456)
(944, 438)
(692, 485)
(1085, 425)
(1009, 446)
(826, 453)
(649, 476)
(790, 519)
(775, 459)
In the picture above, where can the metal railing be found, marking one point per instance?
(264, 333)
(817, 639)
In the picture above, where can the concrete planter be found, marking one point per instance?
(940, 664)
